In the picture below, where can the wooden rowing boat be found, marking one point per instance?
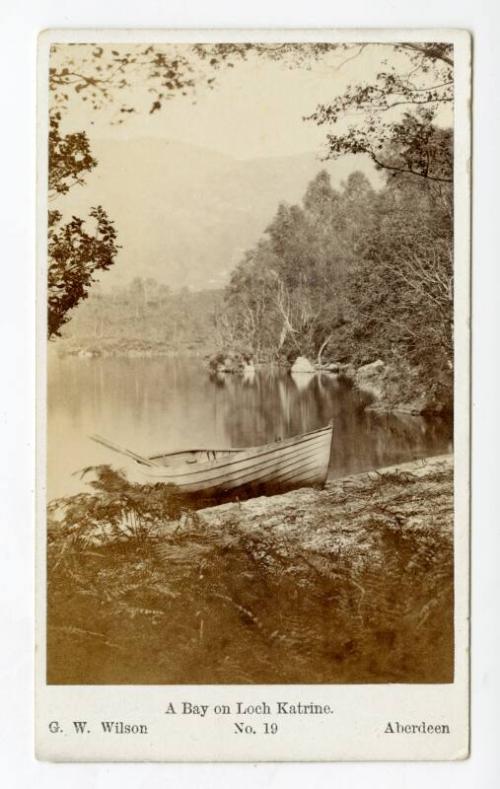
(292, 463)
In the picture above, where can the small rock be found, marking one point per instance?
(370, 378)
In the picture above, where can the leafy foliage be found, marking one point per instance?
(115, 510)
(75, 255)
(100, 75)
(365, 274)
(69, 158)
(409, 142)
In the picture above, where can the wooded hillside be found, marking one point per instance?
(353, 275)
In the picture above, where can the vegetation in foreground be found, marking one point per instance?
(350, 585)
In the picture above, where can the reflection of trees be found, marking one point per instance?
(365, 440)
(161, 404)
(253, 414)
(276, 407)
(301, 380)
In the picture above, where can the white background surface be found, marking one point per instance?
(19, 26)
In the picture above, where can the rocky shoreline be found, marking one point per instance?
(396, 390)
(391, 388)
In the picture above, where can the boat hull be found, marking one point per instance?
(284, 465)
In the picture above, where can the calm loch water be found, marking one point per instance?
(160, 404)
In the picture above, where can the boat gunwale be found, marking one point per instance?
(258, 447)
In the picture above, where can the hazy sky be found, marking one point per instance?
(255, 110)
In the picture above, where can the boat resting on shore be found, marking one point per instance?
(282, 465)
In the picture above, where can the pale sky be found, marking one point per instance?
(255, 110)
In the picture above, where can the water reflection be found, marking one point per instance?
(249, 375)
(152, 405)
(302, 380)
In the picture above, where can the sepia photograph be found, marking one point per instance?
(250, 363)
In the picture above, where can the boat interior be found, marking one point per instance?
(208, 455)
(195, 456)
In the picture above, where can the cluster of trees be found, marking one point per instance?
(355, 274)
(143, 315)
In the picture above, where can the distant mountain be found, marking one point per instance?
(185, 215)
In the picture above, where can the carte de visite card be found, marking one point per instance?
(253, 395)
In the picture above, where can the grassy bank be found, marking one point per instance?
(350, 584)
